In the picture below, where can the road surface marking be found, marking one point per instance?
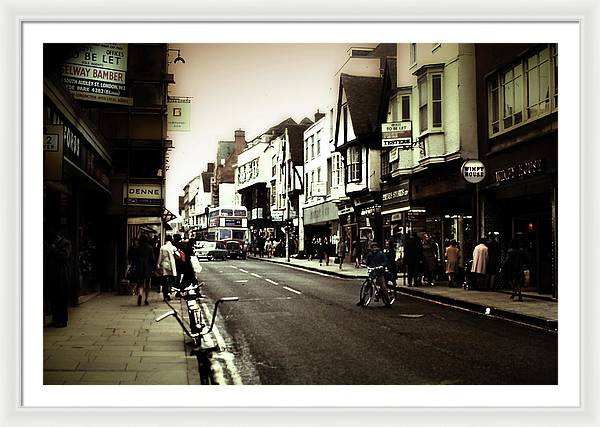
(292, 290)
(229, 361)
(270, 281)
(256, 275)
(232, 266)
(242, 270)
(241, 281)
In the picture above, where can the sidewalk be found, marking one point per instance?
(110, 340)
(535, 310)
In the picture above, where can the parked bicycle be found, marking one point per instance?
(371, 289)
(196, 329)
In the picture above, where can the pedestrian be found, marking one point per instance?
(178, 261)
(143, 264)
(429, 260)
(188, 275)
(513, 269)
(167, 267)
(341, 252)
(451, 256)
(323, 251)
(269, 247)
(356, 253)
(493, 263)
(413, 253)
(479, 266)
(390, 253)
(58, 265)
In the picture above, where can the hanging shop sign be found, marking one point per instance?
(277, 216)
(397, 134)
(142, 194)
(319, 189)
(394, 154)
(473, 171)
(178, 113)
(520, 170)
(97, 72)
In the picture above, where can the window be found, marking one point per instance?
(273, 166)
(413, 53)
(319, 174)
(405, 103)
(312, 147)
(318, 142)
(423, 105)
(354, 167)
(523, 91)
(436, 100)
(273, 194)
(538, 83)
(306, 150)
(385, 162)
(430, 93)
(336, 170)
(312, 181)
(331, 123)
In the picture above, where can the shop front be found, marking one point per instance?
(521, 204)
(321, 223)
(445, 208)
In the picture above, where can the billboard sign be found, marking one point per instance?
(97, 72)
(178, 113)
(396, 134)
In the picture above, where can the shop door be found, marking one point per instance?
(534, 233)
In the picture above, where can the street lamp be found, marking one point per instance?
(178, 58)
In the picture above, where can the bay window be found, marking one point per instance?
(524, 91)
(430, 101)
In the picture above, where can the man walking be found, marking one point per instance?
(167, 267)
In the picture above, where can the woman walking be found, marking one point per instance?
(341, 252)
(143, 265)
(451, 256)
(513, 268)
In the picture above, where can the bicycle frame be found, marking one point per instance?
(371, 281)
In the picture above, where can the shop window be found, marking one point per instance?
(524, 91)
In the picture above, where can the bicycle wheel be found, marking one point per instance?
(388, 297)
(366, 292)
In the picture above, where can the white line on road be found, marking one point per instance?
(242, 270)
(232, 266)
(256, 275)
(292, 290)
(241, 281)
(270, 281)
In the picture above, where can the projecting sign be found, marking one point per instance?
(396, 134)
(53, 152)
(319, 189)
(277, 215)
(178, 113)
(97, 72)
(142, 194)
(473, 171)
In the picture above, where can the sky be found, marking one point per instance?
(244, 86)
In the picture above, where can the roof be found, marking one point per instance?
(278, 129)
(363, 95)
(296, 141)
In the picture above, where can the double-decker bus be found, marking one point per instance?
(229, 224)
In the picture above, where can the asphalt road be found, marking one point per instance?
(293, 326)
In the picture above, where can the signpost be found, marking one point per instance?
(473, 171)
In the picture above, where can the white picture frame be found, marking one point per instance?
(16, 13)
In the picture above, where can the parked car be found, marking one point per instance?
(210, 250)
(235, 249)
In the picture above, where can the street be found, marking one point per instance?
(298, 327)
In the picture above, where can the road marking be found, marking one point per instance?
(232, 266)
(241, 281)
(292, 290)
(242, 270)
(229, 361)
(270, 281)
(256, 275)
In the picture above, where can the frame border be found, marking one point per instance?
(15, 13)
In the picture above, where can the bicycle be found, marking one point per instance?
(197, 329)
(371, 288)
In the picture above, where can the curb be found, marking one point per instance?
(547, 324)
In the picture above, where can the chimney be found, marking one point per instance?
(210, 167)
(319, 116)
(240, 140)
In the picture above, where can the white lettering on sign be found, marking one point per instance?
(473, 171)
(518, 171)
(401, 192)
(71, 141)
(50, 142)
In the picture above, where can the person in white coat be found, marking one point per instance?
(480, 258)
(166, 266)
